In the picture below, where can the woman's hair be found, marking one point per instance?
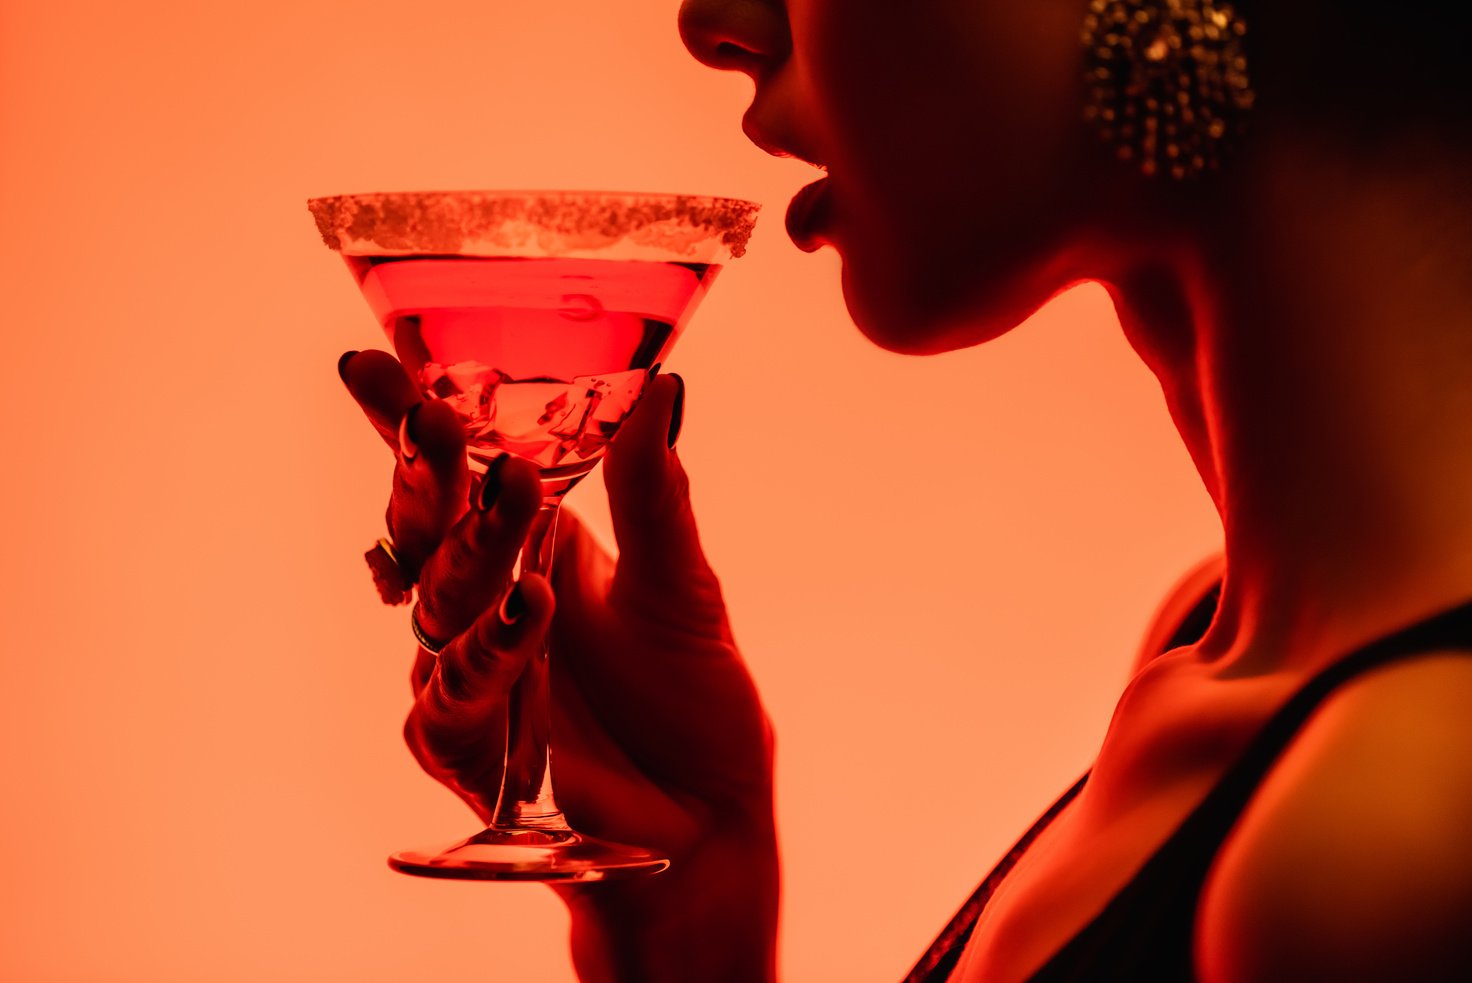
(1372, 64)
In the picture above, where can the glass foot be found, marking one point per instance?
(530, 855)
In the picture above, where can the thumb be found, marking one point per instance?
(649, 497)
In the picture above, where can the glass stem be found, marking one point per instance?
(526, 800)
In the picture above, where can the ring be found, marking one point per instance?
(425, 642)
(394, 586)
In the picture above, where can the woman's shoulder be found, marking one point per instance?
(1187, 607)
(1353, 861)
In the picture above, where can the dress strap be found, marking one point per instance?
(938, 961)
(1451, 628)
(1145, 931)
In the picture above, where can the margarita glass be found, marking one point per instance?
(540, 317)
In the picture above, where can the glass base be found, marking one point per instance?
(530, 855)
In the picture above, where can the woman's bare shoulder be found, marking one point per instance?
(1353, 860)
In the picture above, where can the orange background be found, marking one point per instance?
(938, 568)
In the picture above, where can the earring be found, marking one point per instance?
(1167, 81)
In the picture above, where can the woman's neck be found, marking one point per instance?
(1317, 359)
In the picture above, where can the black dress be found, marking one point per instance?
(1145, 931)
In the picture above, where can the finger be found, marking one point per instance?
(424, 663)
(381, 388)
(431, 482)
(649, 499)
(431, 479)
(471, 568)
(461, 706)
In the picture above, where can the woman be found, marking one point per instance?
(1276, 197)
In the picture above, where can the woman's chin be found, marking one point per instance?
(914, 321)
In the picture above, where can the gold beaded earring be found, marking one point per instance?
(1167, 81)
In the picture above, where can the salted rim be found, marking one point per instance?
(490, 223)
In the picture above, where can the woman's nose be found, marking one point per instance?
(748, 36)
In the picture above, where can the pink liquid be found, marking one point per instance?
(542, 358)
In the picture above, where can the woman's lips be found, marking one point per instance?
(807, 214)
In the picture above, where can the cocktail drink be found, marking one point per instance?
(542, 358)
(540, 317)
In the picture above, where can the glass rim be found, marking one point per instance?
(549, 222)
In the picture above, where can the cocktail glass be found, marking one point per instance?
(540, 316)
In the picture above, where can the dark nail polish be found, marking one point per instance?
(408, 446)
(677, 414)
(514, 606)
(490, 485)
(342, 365)
(653, 371)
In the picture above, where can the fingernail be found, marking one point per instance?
(653, 371)
(342, 365)
(490, 485)
(677, 414)
(408, 447)
(514, 606)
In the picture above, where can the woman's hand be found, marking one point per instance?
(659, 737)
